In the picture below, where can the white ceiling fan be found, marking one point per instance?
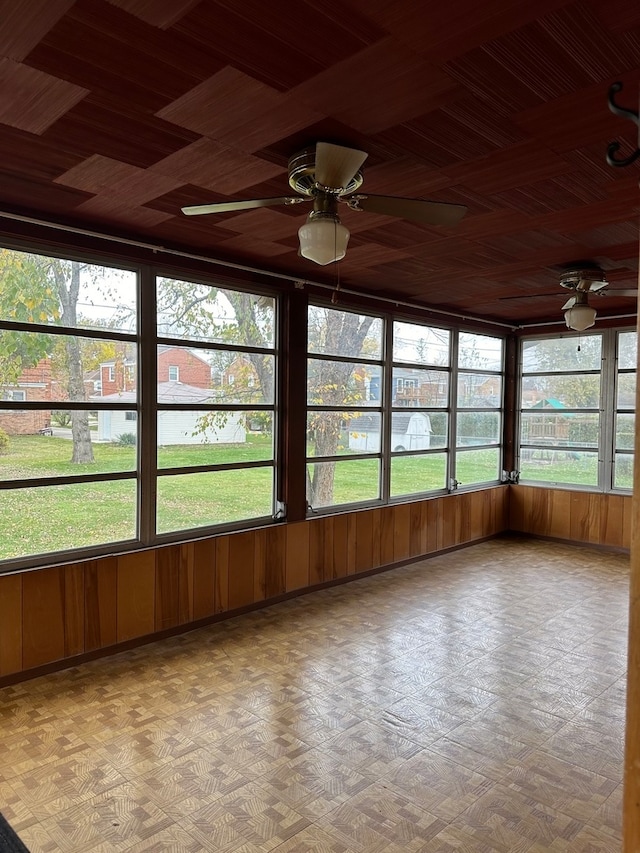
(582, 280)
(324, 176)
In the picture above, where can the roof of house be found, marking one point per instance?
(548, 403)
(168, 392)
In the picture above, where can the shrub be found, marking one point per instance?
(61, 419)
(126, 439)
(4, 441)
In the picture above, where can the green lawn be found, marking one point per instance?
(39, 520)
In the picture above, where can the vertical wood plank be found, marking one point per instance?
(185, 582)
(167, 587)
(463, 517)
(424, 527)
(612, 520)
(351, 543)
(100, 603)
(259, 565)
(297, 555)
(43, 616)
(516, 507)
(559, 513)
(480, 513)
(136, 589)
(73, 609)
(320, 550)
(415, 529)
(539, 511)
(387, 532)
(276, 547)
(401, 532)
(10, 624)
(340, 535)
(502, 497)
(376, 538)
(204, 575)
(434, 525)
(241, 562)
(449, 520)
(364, 540)
(585, 517)
(222, 574)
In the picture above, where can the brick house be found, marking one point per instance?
(33, 385)
(175, 364)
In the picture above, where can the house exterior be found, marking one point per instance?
(174, 426)
(33, 384)
(175, 364)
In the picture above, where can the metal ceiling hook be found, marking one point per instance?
(632, 115)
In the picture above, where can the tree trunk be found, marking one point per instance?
(326, 438)
(344, 333)
(68, 291)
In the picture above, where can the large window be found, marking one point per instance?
(625, 400)
(421, 360)
(345, 382)
(577, 398)
(478, 423)
(398, 409)
(105, 443)
(138, 407)
(62, 485)
(215, 426)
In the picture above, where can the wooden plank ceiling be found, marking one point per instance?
(115, 113)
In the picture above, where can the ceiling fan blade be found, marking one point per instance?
(571, 301)
(622, 292)
(415, 209)
(336, 165)
(527, 296)
(229, 206)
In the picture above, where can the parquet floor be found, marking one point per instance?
(472, 702)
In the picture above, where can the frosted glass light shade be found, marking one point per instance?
(580, 317)
(323, 239)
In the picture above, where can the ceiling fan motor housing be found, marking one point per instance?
(302, 175)
(586, 280)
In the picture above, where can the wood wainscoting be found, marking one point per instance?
(574, 516)
(62, 613)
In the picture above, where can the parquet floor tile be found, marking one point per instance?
(471, 703)
(381, 819)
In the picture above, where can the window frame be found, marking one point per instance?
(334, 508)
(387, 410)
(457, 410)
(145, 471)
(606, 410)
(160, 340)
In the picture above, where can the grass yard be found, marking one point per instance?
(53, 518)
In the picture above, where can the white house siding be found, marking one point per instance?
(179, 428)
(174, 428)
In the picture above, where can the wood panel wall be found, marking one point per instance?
(55, 614)
(591, 517)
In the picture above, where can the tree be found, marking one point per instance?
(26, 296)
(332, 383)
(37, 289)
(576, 389)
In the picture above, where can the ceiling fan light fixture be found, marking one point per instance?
(323, 238)
(580, 317)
